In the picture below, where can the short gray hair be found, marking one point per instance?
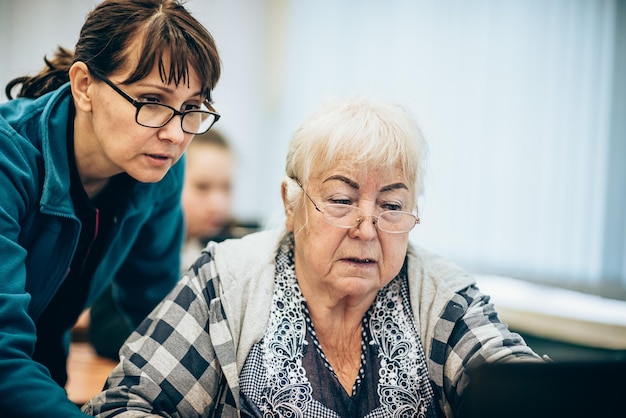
(368, 132)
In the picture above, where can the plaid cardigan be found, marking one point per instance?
(184, 359)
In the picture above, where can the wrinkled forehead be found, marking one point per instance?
(360, 173)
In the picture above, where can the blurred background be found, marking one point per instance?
(523, 103)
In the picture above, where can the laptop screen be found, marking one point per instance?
(551, 389)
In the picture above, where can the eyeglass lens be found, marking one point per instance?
(347, 216)
(155, 115)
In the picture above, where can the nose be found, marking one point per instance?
(365, 229)
(172, 131)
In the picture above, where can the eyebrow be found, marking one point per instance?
(344, 179)
(394, 186)
(165, 88)
(355, 185)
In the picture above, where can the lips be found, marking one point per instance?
(360, 260)
(159, 156)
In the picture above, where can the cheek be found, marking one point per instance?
(321, 241)
(186, 198)
(124, 143)
(186, 142)
(190, 204)
(114, 118)
(394, 252)
(219, 196)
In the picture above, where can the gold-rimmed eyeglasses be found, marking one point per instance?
(349, 216)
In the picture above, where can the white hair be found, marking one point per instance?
(366, 132)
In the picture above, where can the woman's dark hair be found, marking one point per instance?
(165, 28)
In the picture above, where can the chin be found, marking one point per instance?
(360, 285)
(149, 178)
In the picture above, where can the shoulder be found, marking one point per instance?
(33, 144)
(251, 252)
(15, 113)
(54, 107)
(245, 266)
(438, 291)
(34, 129)
(237, 261)
(237, 278)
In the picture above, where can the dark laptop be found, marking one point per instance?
(594, 389)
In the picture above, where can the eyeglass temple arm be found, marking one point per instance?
(307, 195)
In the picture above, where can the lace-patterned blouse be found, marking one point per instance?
(287, 375)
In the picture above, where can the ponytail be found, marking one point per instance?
(53, 76)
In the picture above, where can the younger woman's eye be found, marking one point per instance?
(190, 106)
(149, 99)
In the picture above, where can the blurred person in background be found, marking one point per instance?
(337, 314)
(208, 195)
(90, 181)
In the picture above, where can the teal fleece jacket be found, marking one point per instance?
(39, 234)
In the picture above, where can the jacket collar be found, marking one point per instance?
(52, 129)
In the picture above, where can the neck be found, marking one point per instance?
(93, 187)
(92, 168)
(341, 345)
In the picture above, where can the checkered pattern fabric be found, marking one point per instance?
(171, 365)
(184, 360)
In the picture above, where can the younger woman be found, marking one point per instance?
(90, 181)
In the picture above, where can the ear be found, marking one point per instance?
(287, 206)
(81, 81)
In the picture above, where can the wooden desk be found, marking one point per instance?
(86, 372)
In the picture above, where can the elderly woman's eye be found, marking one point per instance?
(392, 206)
(340, 201)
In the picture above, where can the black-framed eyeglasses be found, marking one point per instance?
(349, 216)
(157, 115)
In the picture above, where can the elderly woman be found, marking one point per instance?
(338, 315)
